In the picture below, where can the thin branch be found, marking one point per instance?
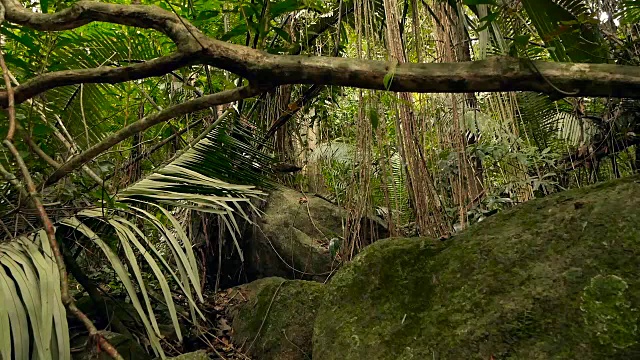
(67, 300)
(294, 107)
(103, 74)
(36, 149)
(13, 181)
(169, 113)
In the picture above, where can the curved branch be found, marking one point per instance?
(198, 104)
(185, 35)
(109, 75)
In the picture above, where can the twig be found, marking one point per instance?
(67, 300)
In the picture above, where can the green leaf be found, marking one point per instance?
(121, 223)
(60, 326)
(121, 272)
(240, 29)
(283, 34)
(207, 14)
(560, 29)
(522, 40)
(17, 315)
(5, 340)
(388, 78)
(26, 280)
(286, 6)
(374, 117)
(25, 38)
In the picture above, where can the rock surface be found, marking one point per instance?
(197, 355)
(128, 348)
(276, 321)
(555, 278)
(292, 237)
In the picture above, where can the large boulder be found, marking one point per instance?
(276, 320)
(292, 236)
(555, 278)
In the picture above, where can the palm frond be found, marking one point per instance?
(219, 175)
(31, 312)
(630, 11)
(32, 316)
(569, 30)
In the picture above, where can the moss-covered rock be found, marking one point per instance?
(276, 321)
(128, 348)
(555, 278)
(292, 236)
(197, 355)
(291, 239)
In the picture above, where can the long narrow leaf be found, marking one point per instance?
(17, 316)
(59, 312)
(117, 265)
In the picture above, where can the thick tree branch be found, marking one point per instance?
(85, 12)
(198, 104)
(496, 74)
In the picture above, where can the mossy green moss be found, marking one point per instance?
(555, 278)
(277, 320)
(197, 355)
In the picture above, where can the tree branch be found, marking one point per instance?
(201, 103)
(496, 74)
(84, 12)
(294, 107)
(588, 154)
(104, 74)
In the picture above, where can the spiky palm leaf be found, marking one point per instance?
(630, 11)
(569, 29)
(32, 316)
(219, 174)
